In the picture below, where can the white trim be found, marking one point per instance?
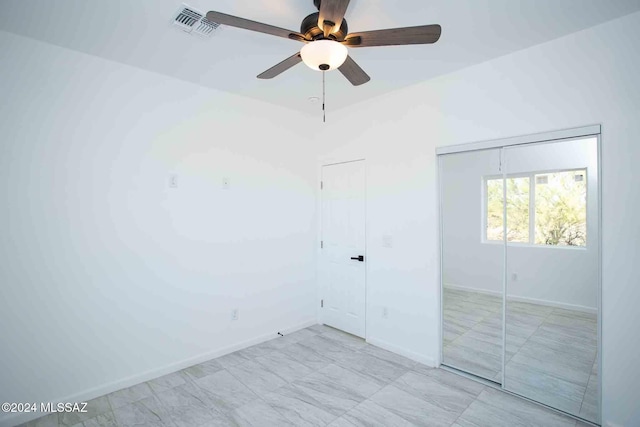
(524, 139)
(600, 296)
(476, 290)
(534, 245)
(366, 248)
(429, 361)
(440, 264)
(532, 210)
(505, 254)
(555, 304)
(102, 390)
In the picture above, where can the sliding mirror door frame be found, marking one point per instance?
(472, 313)
(554, 136)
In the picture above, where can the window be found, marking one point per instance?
(517, 209)
(542, 208)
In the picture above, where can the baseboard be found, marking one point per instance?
(90, 394)
(476, 290)
(556, 304)
(547, 303)
(430, 362)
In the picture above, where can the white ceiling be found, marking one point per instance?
(139, 33)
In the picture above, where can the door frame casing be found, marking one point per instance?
(319, 286)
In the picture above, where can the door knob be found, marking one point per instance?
(358, 258)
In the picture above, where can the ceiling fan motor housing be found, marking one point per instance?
(311, 31)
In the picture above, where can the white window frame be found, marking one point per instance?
(532, 208)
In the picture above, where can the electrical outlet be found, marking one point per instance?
(387, 241)
(385, 312)
(225, 183)
(235, 314)
(514, 277)
(173, 181)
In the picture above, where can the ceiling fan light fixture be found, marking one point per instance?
(324, 55)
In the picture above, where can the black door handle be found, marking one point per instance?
(358, 258)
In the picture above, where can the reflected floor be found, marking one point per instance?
(550, 352)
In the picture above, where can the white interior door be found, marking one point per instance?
(343, 258)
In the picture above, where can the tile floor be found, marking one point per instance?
(551, 352)
(313, 377)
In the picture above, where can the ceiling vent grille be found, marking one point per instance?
(192, 21)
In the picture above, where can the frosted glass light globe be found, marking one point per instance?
(324, 52)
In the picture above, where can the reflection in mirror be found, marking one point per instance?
(472, 268)
(552, 277)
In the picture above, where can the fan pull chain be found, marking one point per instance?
(324, 112)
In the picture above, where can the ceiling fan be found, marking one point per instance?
(326, 37)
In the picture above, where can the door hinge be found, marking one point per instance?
(321, 244)
(321, 185)
(321, 303)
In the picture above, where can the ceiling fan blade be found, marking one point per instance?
(331, 15)
(423, 34)
(353, 72)
(281, 67)
(234, 21)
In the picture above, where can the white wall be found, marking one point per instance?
(108, 277)
(585, 78)
(558, 276)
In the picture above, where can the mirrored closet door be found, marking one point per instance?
(520, 267)
(472, 279)
(552, 282)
